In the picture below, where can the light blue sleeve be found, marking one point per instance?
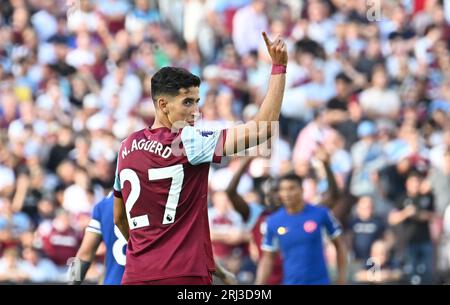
(202, 146)
(331, 224)
(270, 241)
(117, 188)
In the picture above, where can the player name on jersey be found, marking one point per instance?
(150, 146)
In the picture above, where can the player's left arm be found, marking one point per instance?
(120, 217)
(209, 146)
(84, 257)
(120, 214)
(226, 276)
(334, 231)
(259, 130)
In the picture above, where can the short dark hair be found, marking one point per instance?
(169, 80)
(429, 28)
(291, 177)
(414, 173)
(343, 77)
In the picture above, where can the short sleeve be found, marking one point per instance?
(332, 225)
(117, 187)
(270, 241)
(202, 146)
(94, 225)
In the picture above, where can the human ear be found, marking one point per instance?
(162, 105)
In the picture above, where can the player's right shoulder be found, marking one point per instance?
(127, 142)
(132, 136)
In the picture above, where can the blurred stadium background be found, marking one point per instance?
(367, 80)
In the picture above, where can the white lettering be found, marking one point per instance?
(159, 148)
(64, 241)
(196, 295)
(152, 148)
(147, 145)
(167, 152)
(134, 145)
(124, 153)
(141, 144)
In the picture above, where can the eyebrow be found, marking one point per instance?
(189, 99)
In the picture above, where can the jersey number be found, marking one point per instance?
(175, 172)
(118, 245)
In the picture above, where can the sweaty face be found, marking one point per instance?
(290, 193)
(183, 108)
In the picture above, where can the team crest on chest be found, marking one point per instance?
(310, 226)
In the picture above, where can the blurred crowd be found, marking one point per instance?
(367, 82)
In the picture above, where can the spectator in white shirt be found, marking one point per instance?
(38, 269)
(127, 86)
(84, 18)
(12, 268)
(378, 101)
(82, 55)
(248, 23)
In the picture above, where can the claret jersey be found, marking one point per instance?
(162, 177)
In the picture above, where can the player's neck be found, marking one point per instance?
(295, 209)
(160, 123)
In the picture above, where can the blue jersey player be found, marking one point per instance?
(296, 232)
(101, 227)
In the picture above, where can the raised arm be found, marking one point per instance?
(258, 130)
(239, 204)
(332, 194)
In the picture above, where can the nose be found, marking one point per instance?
(196, 113)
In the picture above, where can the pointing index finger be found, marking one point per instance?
(266, 39)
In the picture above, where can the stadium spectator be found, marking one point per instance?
(106, 94)
(59, 240)
(379, 269)
(248, 23)
(228, 233)
(12, 267)
(38, 269)
(365, 229)
(414, 211)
